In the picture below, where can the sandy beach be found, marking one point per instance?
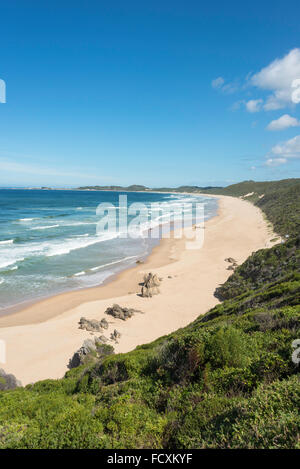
(41, 338)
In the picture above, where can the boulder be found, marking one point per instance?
(104, 323)
(121, 313)
(102, 339)
(92, 325)
(230, 259)
(94, 348)
(150, 285)
(8, 381)
(88, 346)
(115, 335)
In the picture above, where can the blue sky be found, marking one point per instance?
(157, 93)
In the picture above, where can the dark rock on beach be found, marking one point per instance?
(92, 325)
(115, 335)
(150, 285)
(121, 313)
(231, 260)
(8, 381)
(102, 339)
(104, 323)
(91, 349)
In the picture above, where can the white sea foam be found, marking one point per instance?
(47, 227)
(79, 223)
(112, 263)
(5, 262)
(1, 280)
(72, 244)
(93, 269)
(48, 248)
(8, 241)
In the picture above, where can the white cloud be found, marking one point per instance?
(218, 82)
(284, 151)
(275, 161)
(284, 122)
(254, 105)
(296, 91)
(288, 149)
(281, 78)
(227, 88)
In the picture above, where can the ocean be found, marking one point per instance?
(50, 240)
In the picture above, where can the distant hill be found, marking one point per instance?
(190, 189)
(133, 187)
(140, 188)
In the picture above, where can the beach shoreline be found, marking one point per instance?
(29, 309)
(41, 338)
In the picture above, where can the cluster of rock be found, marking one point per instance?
(92, 325)
(121, 313)
(233, 263)
(115, 336)
(8, 381)
(150, 285)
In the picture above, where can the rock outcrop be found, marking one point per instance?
(8, 381)
(150, 285)
(102, 339)
(88, 346)
(121, 313)
(233, 263)
(91, 348)
(115, 336)
(93, 325)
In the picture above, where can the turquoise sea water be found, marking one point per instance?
(49, 242)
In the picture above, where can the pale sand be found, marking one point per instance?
(41, 338)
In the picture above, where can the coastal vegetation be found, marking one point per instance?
(227, 380)
(279, 200)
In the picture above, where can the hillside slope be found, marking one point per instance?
(279, 200)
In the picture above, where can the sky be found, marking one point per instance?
(160, 93)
